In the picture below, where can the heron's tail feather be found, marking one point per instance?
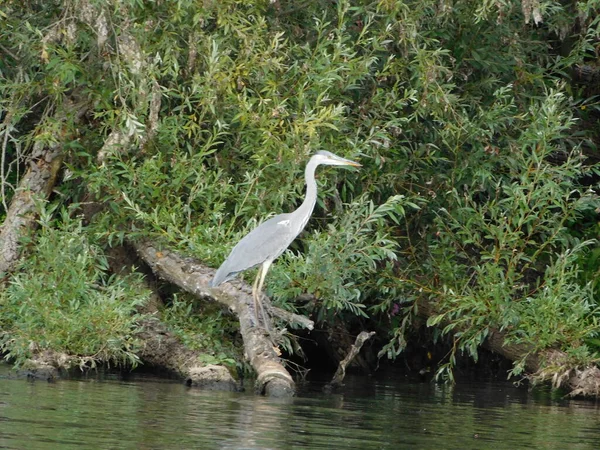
(220, 277)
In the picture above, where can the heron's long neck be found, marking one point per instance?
(307, 206)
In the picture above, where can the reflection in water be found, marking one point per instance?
(384, 413)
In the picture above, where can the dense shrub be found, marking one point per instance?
(63, 299)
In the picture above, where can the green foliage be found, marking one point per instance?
(475, 192)
(345, 263)
(551, 315)
(63, 299)
(495, 251)
(208, 331)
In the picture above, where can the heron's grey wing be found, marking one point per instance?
(265, 242)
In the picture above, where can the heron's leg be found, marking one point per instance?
(255, 293)
(263, 273)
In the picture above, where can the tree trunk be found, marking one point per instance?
(36, 184)
(20, 217)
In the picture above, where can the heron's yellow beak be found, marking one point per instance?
(330, 159)
(353, 164)
(347, 162)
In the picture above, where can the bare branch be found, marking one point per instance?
(340, 373)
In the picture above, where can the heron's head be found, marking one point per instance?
(328, 158)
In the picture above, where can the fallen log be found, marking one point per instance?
(161, 347)
(273, 379)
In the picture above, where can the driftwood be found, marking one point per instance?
(546, 365)
(191, 276)
(340, 373)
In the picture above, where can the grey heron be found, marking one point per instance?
(270, 239)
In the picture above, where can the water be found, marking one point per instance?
(380, 413)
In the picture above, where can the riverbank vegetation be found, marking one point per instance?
(178, 125)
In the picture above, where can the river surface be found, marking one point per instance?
(382, 412)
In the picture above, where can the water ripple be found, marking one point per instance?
(370, 414)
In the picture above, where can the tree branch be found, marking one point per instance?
(340, 373)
